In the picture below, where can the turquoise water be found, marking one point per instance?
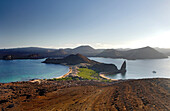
(23, 70)
(137, 69)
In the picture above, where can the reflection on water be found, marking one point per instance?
(137, 69)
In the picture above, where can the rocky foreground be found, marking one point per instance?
(130, 95)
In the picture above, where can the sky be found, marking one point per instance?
(99, 23)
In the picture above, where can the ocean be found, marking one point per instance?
(24, 70)
(138, 69)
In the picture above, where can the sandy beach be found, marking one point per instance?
(71, 71)
(103, 76)
(65, 75)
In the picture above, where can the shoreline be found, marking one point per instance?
(103, 76)
(69, 72)
(63, 76)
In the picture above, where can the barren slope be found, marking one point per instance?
(130, 95)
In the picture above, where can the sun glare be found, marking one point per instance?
(161, 40)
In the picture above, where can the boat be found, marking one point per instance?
(153, 71)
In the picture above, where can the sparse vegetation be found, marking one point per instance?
(88, 74)
(84, 74)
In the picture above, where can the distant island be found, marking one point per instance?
(133, 54)
(39, 53)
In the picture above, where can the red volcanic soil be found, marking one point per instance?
(129, 95)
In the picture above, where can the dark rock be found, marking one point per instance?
(3, 101)
(123, 68)
(101, 67)
(28, 96)
(10, 106)
(41, 92)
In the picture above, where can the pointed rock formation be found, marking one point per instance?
(123, 68)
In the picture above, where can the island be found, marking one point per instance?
(133, 54)
(78, 61)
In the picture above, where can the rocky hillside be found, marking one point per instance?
(129, 95)
(84, 50)
(144, 53)
(141, 53)
(111, 53)
(72, 59)
(23, 53)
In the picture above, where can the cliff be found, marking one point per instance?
(106, 68)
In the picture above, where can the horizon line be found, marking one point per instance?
(78, 46)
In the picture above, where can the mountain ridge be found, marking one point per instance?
(25, 52)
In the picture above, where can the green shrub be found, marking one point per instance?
(88, 74)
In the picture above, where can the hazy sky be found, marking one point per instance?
(99, 23)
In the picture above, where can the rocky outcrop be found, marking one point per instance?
(123, 68)
(104, 68)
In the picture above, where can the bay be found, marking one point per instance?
(24, 70)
